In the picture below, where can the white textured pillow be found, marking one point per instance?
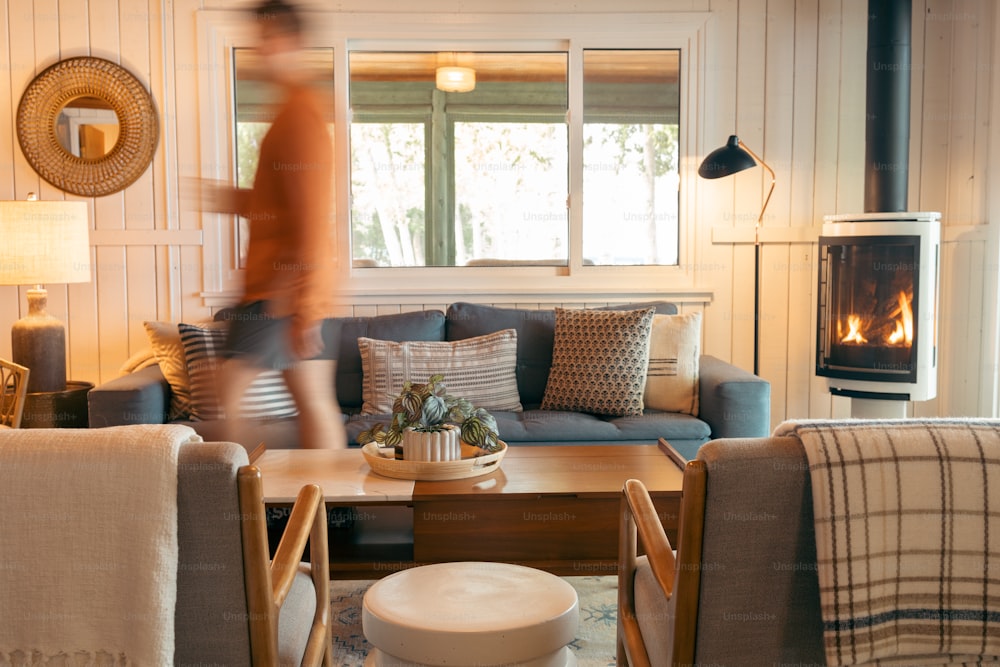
(266, 398)
(481, 370)
(672, 376)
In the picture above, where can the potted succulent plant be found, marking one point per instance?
(427, 413)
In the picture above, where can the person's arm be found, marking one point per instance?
(218, 197)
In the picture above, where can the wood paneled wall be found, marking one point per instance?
(787, 76)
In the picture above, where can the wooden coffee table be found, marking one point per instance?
(555, 508)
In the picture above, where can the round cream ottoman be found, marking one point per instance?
(464, 614)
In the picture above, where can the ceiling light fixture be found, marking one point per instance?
(455, 79)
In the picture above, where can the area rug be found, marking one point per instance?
(594, 645)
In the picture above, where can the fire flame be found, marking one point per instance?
(902, 334)
(854, 335)
(904, 325)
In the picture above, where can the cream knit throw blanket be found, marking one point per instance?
(88, 545)
(907, 538)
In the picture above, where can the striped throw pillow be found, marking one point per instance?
(481, 370)
(266, 398)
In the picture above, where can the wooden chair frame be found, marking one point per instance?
(641, 527)
(13, 392)
(269, 581)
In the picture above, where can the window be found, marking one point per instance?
(659, 57)
(510, 192)
(481, 177)
(494, 160)
(255, 110)
(448, 178)
(631, 180)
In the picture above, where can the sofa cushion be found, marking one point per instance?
(599, 361)
(580, 427)
(545, 427)
(535, 334)
(427, 325)
(672, 374)
(267, 397)
(480, 370)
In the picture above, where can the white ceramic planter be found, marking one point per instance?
(443, 445)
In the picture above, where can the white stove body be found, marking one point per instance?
(875, 255)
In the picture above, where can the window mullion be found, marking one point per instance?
(574, 200)
(440, 229)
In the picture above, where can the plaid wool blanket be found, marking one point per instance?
(907, 517)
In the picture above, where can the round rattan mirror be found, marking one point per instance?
(109, 155)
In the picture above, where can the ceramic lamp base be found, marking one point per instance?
(38, 341)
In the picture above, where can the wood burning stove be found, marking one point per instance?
(877, 307)
(878, 276)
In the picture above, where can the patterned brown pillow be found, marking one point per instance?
(599, 361)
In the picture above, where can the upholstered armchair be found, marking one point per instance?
(830, 542)
(740, 589)
(163, 534)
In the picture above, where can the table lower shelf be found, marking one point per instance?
(563, 535)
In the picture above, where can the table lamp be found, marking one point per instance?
(732, 158)
(43, 242)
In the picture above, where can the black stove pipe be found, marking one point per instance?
(887, 120)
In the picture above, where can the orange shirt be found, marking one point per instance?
(290, 254)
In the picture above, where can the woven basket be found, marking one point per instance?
(382, 463)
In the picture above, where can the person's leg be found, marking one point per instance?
(311, 384)
(234, 378)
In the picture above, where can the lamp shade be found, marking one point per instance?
(455, 79)
(725, 161)
(44, 242)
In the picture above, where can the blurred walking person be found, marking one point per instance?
(289, 282)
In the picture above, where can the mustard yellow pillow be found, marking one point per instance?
(165, 339)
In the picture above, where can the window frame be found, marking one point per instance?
(220, 31)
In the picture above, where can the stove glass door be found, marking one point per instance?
(868, 307)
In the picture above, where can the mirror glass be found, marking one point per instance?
(87, 127)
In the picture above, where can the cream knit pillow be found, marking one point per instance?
(672, 375)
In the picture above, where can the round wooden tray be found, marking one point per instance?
(381, 462)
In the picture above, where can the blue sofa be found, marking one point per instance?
(733, 402)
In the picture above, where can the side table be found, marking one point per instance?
(58, 409)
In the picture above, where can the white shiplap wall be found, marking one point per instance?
(786, 75)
